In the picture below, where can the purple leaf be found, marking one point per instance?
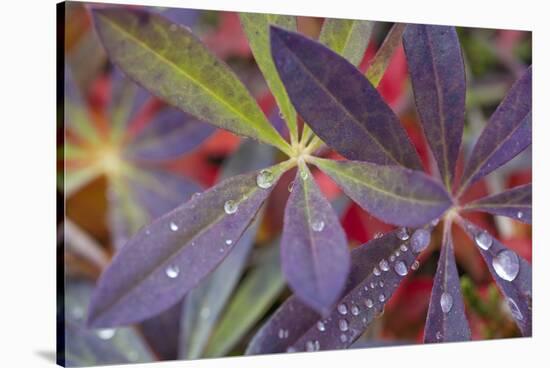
(392, 193)
(127, 100)
(507, 134)
(511, 273)
(300, 323)
(515, 203)
(446, 321)
(437, 75)
(314, 253)
(162, 332)
(167, 258)
(339, 103)
(171, 134)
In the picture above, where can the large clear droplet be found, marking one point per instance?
(484, 240)
(403, 234)
(106, 333)
(420, 240)
(403, 248)
(230, 207)
(376, 271)
(354, 309)
(506, 265)
(318, 225)
(173, 226)
(520, 214)
(382, 298)
(446, 302)
(401, 268)
(321, 326)
(343, 309)
(384, 265)
(265, 179)
(516, 313)
(438, 335)
(228, 242)
(369, 303)
(172, 271)
(343, 325)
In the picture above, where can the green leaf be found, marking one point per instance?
(256, 27)
(381, 60)
(347, 37)
(256, 294)
(173, 64)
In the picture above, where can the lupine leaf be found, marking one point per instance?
(394, 194)
(515, 203)
(314, 253)
(439, 83)
(348, 37)
(299, 323)
(516, 285)
(255, 295)
(169, 135)
(339, 103)
(162, 332)
(508, 132)
(446, 321)
(205, 303)
(174, 65)
(381, 60)
(256, 27)
(168, 257)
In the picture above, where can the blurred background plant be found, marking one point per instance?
(126, 158)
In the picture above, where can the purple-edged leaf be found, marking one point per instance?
(347, 37)
(368, 281)
(205, 303)
(162, 332)
(381, 60)
(339, 103)
(508, 132)
(511, 273)
(314, 252)
(446, 321)
(168, 257)
(173, 64)
(394, 194)
(171, 134)
(515, 203)
(439, 83)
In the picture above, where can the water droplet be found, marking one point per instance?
(366, 287)
(506, 265)
(283, 334)
(516, 313)
(446, 302)
(228, 241)
(290, 186)
(343, 338)
(369, 303)
(381, 284)
(376, 271)
(484, 240)
(354, 309)
(343, 309)
(403, 248)
(438, 335)
(343, 325)
(434, 222)
(400, 268)
(310, 346)
(230, 207)
(420, 240)
(415, 265)
(372, 286)
(378, 235)
(403, 234)
(317, 345)
(321, 326)
(318, 225)
(172, 271)
(520, 214)
(106, 333)
(195, 196)
(173, 227)
(382, 298)
(397, 253)
(281, 115)
(304, 175)
(384, 265)
(265, 179)
(392, 258)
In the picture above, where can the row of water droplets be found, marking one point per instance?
(265, 179)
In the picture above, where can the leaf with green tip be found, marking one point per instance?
(205, 303)
(515, 203)
(169, 61)
(256, 27)
(250, 302)
(339, 103)
(381, 60)
(508, 133)
(314, 252)
(446, 321)
(170, 256)
(347, 37)
(394, 194)
(437, 74)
